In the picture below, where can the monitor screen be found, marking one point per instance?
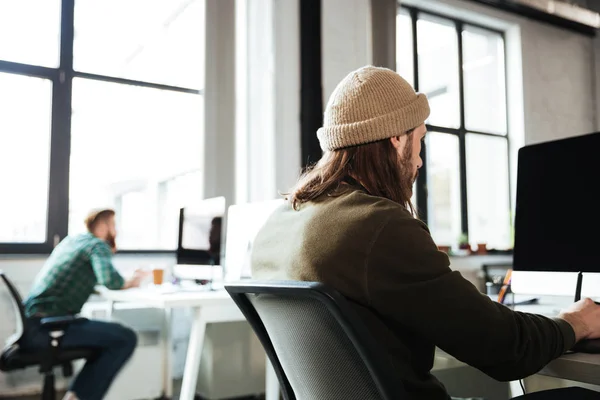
(557, 212)
(243, 223)
(200, 233)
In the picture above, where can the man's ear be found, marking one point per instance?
(397, 142)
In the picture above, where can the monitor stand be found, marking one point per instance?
(578, 286)
(591, 346)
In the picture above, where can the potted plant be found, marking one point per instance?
(463, 242)
(482, 248)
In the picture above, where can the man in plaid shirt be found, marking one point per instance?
(64, 284)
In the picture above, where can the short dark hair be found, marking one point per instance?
(96, 216)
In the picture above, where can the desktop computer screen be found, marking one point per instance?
(557, 216)
(243, 223)
(200, 232)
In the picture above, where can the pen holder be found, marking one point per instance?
(492, 288)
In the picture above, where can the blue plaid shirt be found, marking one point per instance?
(68, 278)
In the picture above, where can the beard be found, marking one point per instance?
(407, 179)
(111, 240)
(407, 176)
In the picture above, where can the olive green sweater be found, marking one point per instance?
(375, 253)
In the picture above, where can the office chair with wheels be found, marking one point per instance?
(13, 357)
(315, 341)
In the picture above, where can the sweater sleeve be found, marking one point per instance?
(410, 282)
(106, 274)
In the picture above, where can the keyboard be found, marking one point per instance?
(591, 346)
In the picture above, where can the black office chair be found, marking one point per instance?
(316, 343)
(13, 357)
(319, 347)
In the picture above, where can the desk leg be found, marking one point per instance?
(109, 310)
(167, 356)
(192, 359)
(272, 383)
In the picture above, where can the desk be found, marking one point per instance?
(208, 307)
(578, 367)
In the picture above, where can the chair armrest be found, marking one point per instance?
(58, 323)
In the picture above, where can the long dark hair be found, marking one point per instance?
(376, 166)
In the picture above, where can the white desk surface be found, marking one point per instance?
(169, 296)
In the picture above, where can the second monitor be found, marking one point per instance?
(200, 233)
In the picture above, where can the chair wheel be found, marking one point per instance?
(67, 370)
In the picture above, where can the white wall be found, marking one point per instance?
(219, 120)
(268, 101)
(558, 83)
(346, 26)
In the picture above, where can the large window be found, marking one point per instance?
(464, 190)
(101, 105)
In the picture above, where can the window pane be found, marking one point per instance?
(25, 108)
(484, 78)
(443, 183)
(438, 69)
(30, 31)
(404, 46)
(488, 192)
(158, 41)
(131, 147)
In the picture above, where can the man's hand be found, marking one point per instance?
(138, 276)
(584, 317)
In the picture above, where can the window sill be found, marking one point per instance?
(502, 254)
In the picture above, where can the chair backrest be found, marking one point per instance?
(317, 344)
(17, 302)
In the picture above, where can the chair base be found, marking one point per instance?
(48, 390)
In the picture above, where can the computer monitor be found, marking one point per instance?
(557, 216)
(243, 223)
(200, 232)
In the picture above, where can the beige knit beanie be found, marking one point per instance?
(370, 104)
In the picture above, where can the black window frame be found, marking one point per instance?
(60, 132)
(460, 132)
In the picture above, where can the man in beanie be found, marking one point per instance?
(349, 223)
(75, 267)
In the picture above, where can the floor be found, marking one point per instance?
(176, 389)
(59, 396)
